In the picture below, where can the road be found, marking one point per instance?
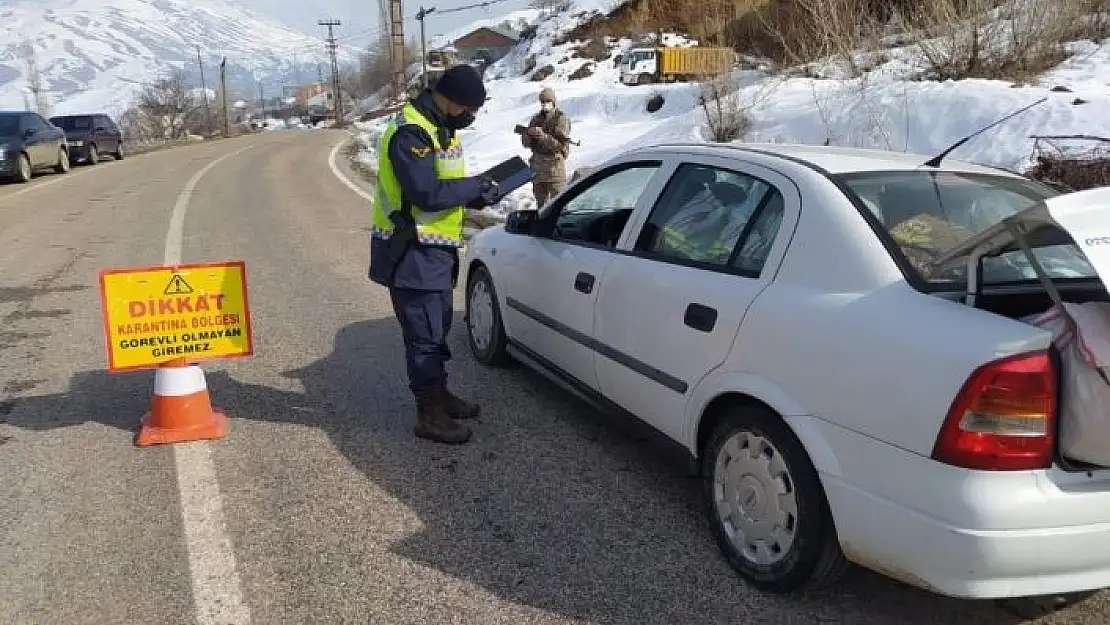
(321, 507)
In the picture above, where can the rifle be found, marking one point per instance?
(520, 130)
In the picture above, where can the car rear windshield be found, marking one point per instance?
(72, 123)
(9, 125)
(926, 213)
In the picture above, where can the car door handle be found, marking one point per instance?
(700, 317)
(584, 282)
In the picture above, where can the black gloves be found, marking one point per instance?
(489, 193)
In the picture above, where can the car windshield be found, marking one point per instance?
(927, 213)
(72, 123)
(9, 125)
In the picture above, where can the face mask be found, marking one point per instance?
(460, 121)
(547, 107)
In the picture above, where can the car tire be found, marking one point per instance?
(23, 171)
(804, 554)
(94, 155)
(63, 162)
(119, 151)
(484, 330)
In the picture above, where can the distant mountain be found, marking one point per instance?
(95, 54)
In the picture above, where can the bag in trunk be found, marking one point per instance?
(1081, 332)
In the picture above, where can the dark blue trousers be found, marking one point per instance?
(425, 318)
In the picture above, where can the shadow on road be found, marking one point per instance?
(570, 514)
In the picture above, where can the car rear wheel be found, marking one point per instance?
(94, 156)
(484, 330)
(119, 151)
(766, 504)
(23, 169)
(63, 161)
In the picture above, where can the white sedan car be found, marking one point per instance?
(836, 338)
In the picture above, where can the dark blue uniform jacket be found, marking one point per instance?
(423, 267)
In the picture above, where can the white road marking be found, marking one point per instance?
(345, 180)
(216, 591)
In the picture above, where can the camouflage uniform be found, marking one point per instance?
(549, 155)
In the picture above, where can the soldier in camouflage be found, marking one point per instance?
(548, 137)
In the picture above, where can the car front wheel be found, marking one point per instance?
(484, 329)
(766, 505)
(23, 170)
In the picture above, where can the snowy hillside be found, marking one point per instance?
(91, 53)
(889, 107)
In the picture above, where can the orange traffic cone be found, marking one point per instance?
(180, 411)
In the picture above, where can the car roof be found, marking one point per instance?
(834, 160)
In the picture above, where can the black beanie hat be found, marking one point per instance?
(462, 84)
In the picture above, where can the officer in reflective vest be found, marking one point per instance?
(416, 233)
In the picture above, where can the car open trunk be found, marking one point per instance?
(1080, 220)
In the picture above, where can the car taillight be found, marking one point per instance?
(1004, 417)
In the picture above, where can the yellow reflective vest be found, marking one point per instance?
(444, 227)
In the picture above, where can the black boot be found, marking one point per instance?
(455, 407)
(433, 422)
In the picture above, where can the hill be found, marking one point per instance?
(910, 84)
(94, 54)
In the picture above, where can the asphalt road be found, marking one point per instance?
(334, 513)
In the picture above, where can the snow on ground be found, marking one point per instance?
(881, 110)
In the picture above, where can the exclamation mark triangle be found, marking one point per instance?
(177, 286)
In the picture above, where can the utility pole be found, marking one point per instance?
(333, 47)
(262, 101)
(223, 94)
(397, 31)
(420, 15)
(204, 90)
(296, 70)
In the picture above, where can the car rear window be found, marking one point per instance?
(72, 123)
(925, 213)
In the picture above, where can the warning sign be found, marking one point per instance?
(184, 312)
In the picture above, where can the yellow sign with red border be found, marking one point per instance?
(194, 312)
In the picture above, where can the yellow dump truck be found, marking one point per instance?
(641, 66)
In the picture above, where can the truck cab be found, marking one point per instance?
(640, 66)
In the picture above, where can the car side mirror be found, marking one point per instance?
(521, 222)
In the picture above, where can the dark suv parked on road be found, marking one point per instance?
(90, 136)
(28, 143)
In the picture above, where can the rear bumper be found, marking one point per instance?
(963, 533)
(967, 563)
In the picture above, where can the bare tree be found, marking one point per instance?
(728, 108)
(34, 78)
(170, 104)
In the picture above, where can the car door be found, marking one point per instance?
(35, 139)
(551, 284)
(669, 309)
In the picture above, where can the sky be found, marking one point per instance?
(360, 17)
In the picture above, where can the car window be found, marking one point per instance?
(926, 213)
(599, 213)
(73, 123)
(705, 211)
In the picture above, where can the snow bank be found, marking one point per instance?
(883, 109)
